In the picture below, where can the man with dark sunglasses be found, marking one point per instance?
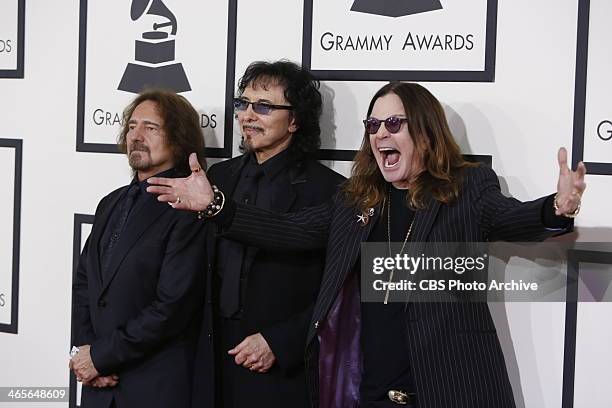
(257, 322)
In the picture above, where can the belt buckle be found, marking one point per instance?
(399, 397)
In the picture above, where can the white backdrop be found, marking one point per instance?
(520, 119)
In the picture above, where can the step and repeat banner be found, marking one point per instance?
(400, 40)
(503, 70)
(184, 46)
(593, 119)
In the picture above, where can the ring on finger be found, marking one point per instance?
(178, 201)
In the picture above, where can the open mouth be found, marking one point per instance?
(390, 156)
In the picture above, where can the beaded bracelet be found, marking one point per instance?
(215, 206)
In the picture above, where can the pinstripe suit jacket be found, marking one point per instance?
(456, 357)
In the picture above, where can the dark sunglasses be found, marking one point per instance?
(258, 107)
(393, 124)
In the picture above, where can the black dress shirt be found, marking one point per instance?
(111, 231)
(258, 184)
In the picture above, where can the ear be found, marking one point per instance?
(293, 127)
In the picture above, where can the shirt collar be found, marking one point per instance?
(142, 185)
(274, 165)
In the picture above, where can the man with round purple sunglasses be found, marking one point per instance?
(435, 355)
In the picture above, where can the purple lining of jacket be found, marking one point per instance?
(340, 348)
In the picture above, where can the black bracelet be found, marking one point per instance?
(215, 206)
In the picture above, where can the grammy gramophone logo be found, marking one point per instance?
(155, 64)
(395, 8)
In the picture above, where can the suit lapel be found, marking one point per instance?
(346, 241)
(356, 233)
(98, 230)
(424, 220)
(227, 181)
(284, 201)
(139, 221)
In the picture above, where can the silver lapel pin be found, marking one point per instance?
(364, 217)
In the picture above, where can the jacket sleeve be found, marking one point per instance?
(178, 294)
(287, 340)
(82, 329)
(306, 229)
(508, 219)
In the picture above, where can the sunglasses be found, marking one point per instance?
(258, 107)
(393, 124)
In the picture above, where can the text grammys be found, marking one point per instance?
(105, 118)
(412, 42)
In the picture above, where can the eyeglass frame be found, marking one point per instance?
(255, 106)
(380, 122)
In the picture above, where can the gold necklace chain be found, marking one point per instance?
(389, 242)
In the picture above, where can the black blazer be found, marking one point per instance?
(279, 302)
(141, 315)
(455, 353)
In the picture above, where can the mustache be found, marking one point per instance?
(138, 147)
(252, 127)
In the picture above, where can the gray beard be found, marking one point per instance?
(140, 162)
(245, 147)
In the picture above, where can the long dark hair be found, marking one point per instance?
(301, 91)
(181, 125)
(434, 143)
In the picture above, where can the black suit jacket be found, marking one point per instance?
(455, 353)
(140, 316)
(279, 302)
